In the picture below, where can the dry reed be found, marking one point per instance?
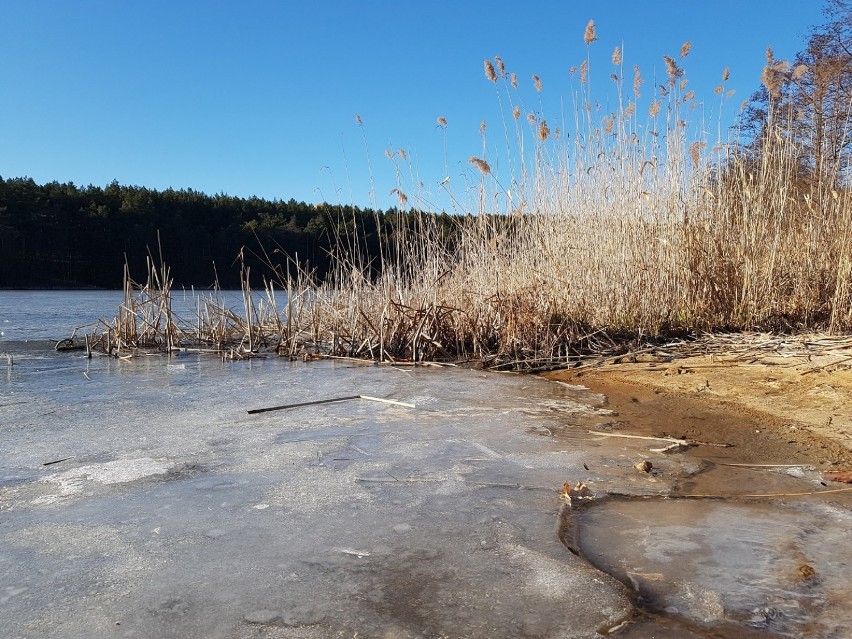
(622, 231)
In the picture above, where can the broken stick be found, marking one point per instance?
(330, 401)
(655, 439)
(673, 440)
(300, 404)
(386, 401)
(56, 461)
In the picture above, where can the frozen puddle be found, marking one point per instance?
(779, 568)
(174, 513)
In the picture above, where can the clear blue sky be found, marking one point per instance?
(259, 97)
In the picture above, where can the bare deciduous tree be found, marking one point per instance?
(809, 101)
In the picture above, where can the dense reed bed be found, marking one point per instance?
(629, 226)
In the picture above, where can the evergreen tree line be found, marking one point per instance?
(64, 236)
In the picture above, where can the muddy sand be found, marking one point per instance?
(782, 406)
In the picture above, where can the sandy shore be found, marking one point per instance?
(788, 404)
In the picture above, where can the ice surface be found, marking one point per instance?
(177, 514)
(168, 511)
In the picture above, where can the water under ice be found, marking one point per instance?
(175, 513)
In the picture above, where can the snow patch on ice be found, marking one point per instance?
(119, 471)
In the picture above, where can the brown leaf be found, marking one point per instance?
(806, 572)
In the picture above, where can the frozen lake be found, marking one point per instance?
(138, 498)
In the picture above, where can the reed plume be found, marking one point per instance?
(773, 73)
(500, 66)
(489, 71)
(673, 70)
(590, 35)
(637, 81)
(695, 152)
(616, 56)
(480, 164)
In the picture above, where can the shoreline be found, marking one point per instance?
(771, 409)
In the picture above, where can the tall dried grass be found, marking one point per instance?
(623, 228)
(627, 228)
